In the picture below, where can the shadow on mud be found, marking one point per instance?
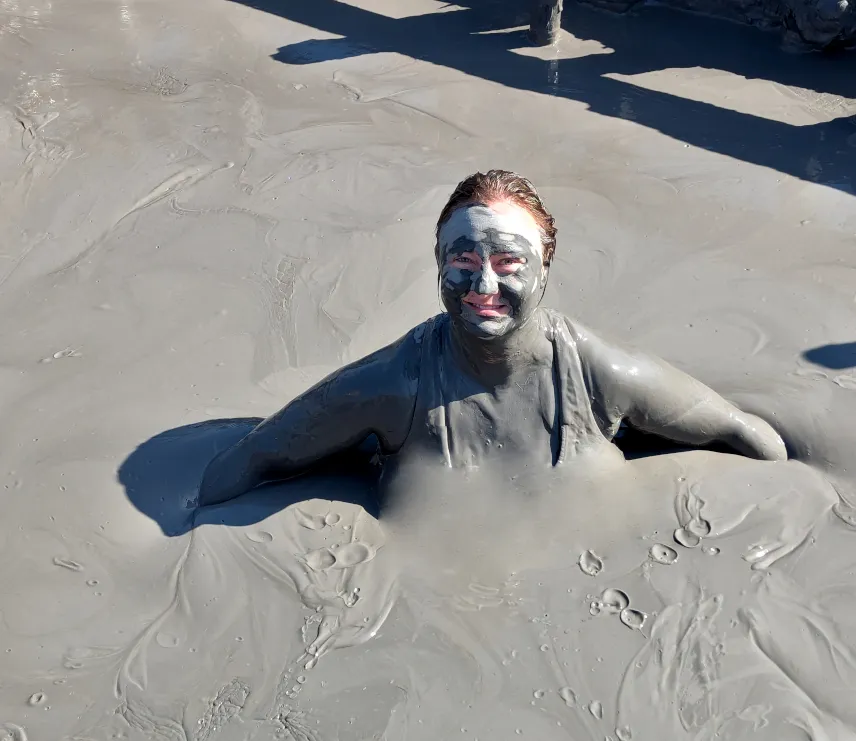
(162, 475)
(835, 357)
(480, 38)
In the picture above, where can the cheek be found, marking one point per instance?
(514, 283)
(523, 283)
(454, 279)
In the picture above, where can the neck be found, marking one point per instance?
(497, 360)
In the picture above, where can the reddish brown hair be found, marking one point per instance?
(501, 185)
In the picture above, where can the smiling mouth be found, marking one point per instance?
(488, 310)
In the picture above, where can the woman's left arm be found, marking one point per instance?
(656, 397)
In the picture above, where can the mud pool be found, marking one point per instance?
(206, 207)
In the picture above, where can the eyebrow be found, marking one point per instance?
(465, 244)
(511, 251)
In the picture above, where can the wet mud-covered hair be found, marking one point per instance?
(502, 185)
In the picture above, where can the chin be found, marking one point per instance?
(488, 328)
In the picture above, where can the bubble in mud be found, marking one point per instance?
(311, 522)
(301, 679)
(623, 733)
(590, 563)
(633, 618)
(663, 554)
(569, 697)
(686, 538)
(353, 554)
(699, 526)
(320, 559)
(595, 608)
(260, 536)
(545, 647)
(92, 583)
(166, 640)
(538, 694)
(332, 519)
(38, 698)
(614, 600)
(711, 551)
(596, 709)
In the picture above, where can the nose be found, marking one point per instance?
(485, 282)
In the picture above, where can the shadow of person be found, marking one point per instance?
(296, 567)
(161, 477)
(834, 356)
(271, 588)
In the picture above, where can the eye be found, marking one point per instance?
(463, 259)
(508, 263)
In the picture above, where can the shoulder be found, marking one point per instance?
(564, 328)
(599, 358)
(399, 360)
(409, 342)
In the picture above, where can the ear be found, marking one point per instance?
(545, 274)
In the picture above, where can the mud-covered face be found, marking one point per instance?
(492, 275)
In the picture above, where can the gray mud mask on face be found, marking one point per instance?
(484, 232)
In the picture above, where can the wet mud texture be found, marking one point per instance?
(205, 208)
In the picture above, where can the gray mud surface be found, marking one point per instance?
(206, 207)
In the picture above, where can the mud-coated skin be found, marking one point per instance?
(506, 363)
(476, 231)
(377, 395)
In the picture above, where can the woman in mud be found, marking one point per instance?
(493, 377)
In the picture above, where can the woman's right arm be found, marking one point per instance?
(375, 395)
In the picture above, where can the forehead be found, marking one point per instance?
(513, 227)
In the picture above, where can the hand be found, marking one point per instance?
(756, 438)
(227, 476)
